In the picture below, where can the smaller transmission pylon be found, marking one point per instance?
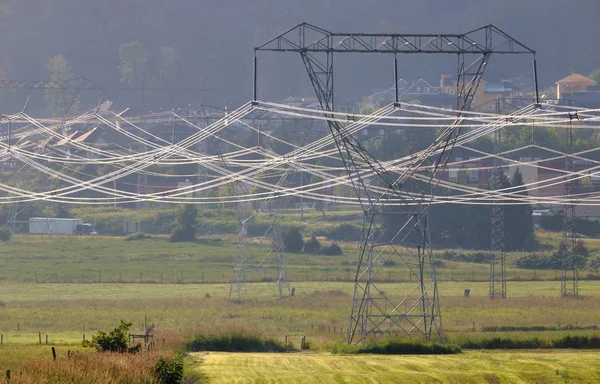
(569, 282)
(498, 257)
(270, 268)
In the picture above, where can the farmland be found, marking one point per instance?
(85, 284)
(469, 367)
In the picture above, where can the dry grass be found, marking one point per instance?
(99, 368)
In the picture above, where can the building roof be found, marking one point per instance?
(67, 138)
(85, 136)
(576, 78)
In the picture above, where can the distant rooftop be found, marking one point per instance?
(576, 78)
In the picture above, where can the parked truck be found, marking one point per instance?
(57, 226)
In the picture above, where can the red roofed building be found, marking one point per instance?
(571, 84)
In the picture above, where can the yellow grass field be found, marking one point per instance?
(469, 367)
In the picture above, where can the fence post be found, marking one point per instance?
(53, 354)
(46, 339)
(40, 337)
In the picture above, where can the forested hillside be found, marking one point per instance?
(210, 46)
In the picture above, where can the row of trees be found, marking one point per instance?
(293, 242)
(468, 226)
(138, 68)
(186, 228)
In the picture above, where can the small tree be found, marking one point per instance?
(312, 246)
(594, 264)
(186, 222)
(293, 240)
(133, 59)
(62, 101)
(115, 340)
(5, 233)
(580, 249)
(320, 207)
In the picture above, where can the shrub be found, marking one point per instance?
(576, 342)
(181, 235)
(504, 343)
(5, 233)
(535, 261)
(169, 371)
(400, 347)
(342, 232)
(234, 342)
(293, 240)
(137, 236)
(332, 250)
(572, 342)
(312, 246)
(114, 341)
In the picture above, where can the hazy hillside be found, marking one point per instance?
(214, 39)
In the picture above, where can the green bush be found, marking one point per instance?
(234, 342)
(186, 224)
(137, 236)
(400, 347)
(577, 342)
(169, 371)
(571, 342)
(293, 240)
(332, 250)
(536, 261)
(342, 232)
(505, 343)
(114, 341)
(5, 233)
(312, 246)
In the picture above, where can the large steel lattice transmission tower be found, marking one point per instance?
(415, 311)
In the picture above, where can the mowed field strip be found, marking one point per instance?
(65, 311)
(468, 367)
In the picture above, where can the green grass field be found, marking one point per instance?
(66, 311)
(469, 367)
(73, 259)
(68, 301)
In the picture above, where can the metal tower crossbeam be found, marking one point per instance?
(374, 313)
(309, 38)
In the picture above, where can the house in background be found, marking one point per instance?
(566, 88)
